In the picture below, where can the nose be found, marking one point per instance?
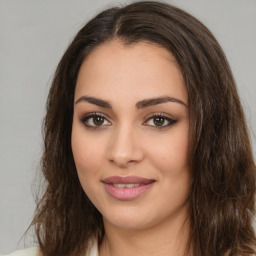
(125, 148)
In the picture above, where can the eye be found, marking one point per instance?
(95, 120)
(159, 121)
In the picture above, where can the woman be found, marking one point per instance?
(146, 148)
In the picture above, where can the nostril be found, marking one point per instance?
(122, 163)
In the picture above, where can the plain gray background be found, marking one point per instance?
(33, 37)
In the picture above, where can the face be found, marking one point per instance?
(130, 134)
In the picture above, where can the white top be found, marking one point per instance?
(35, 251)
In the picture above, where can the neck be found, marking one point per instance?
(169, 238)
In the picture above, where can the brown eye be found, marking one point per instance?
(98, 120)
(159, 120)
(95, 121)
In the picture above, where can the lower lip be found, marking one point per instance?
(127, 193)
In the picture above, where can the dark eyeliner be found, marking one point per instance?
(170, 120)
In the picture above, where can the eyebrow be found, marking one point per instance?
(95, 101)
(139, 105)
(156, 101)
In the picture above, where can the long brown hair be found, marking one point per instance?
(223, 191)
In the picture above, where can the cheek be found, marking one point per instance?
(87, 157)
(170, 152)
(87, 154)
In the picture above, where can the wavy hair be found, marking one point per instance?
(221, 200)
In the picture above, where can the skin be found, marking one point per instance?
(127, 142)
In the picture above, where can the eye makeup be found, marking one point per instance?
(159, 120)
(97, 120)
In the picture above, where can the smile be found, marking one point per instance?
(125, 185)
(127, 188)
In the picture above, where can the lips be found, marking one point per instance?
(127, 188)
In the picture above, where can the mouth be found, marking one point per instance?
(127, 188)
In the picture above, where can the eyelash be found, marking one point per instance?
(85, 119)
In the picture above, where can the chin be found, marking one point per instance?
(139, 217)
(130, 218)
(128, 223)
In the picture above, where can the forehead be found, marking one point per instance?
(139, 70)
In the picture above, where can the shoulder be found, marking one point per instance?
(35, 251)
(93, 249)
(32, 251)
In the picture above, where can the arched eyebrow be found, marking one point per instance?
(155, 101)
(139, 105)
(95, 101)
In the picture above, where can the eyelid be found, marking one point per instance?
(162, 114)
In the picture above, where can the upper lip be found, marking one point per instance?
(127, 180)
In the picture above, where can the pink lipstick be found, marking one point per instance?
(126, 188)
